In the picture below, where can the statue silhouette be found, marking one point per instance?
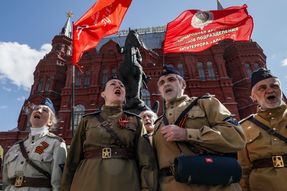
(131, 73)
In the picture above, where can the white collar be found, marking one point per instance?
(39, 130)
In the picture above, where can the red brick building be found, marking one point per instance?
(223, 70)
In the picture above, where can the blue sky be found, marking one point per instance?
(28, 27)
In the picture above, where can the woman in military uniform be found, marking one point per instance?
(108, 152)
(36, 163)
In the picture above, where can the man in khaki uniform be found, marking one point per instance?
(264, 158)
(208, 125)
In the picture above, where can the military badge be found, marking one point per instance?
(201, 19)
(40, 149)
(123, 121)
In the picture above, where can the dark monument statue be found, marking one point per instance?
(131, 73)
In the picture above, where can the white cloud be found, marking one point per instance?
(7, 89)
(3, 106)
(284, 62)
(21, 98)
(18, 62)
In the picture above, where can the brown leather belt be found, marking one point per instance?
(109, 152)
(22, 181)
(166, 171)
(277, 161)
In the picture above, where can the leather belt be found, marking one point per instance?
(23, 181)
(277, 161)
(166, 171)
(109, 152)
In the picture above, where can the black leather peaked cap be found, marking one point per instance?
(49, 103)
(259, 75)
(169, 69)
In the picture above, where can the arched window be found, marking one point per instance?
(69, 51)
(114, 72)
(145, 96)
(200, 70)
(78, 78)
(211, 74)
(87, 79)
(78, 114)
(48, 84)
(256, 66)
(40, 86)
(180, 69)
(248, 70)
(104, 77)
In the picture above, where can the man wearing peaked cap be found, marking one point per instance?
(37, 162)
(169, 69)
(264, 159)
(208, 124)
(259, 75)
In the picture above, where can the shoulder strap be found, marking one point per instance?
(182, 115)
(107, 126)
(25, 155)
(268, 129)
(180, 123)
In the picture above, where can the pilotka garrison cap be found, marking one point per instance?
(169, 69)
(259, 75)
(49, 103)
(114, 76)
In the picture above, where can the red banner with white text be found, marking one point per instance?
(102, 19)
(195, 30)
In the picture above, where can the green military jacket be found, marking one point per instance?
(209, 125)
(97, 174)
(46, 150)
(261, 145)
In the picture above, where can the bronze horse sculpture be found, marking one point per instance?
(131, 72)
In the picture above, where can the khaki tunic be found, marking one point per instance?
(52, 160)
(97, 174)
(206, 127)
(262, 145)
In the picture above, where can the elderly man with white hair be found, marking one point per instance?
(148, 119)
(264, 159)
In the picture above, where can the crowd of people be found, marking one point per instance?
(114, 150)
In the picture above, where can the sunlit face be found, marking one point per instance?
(148, 120)
(171, 86)
(114, 93)
(41, 116)
(267, 93)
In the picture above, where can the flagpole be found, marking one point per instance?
(163, 59)
(73, 99)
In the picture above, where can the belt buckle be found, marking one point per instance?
(278, 161)
(106, 123)
(106, 153)
(19, 181)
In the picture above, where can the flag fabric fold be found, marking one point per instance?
(102, 19)
(195, 30)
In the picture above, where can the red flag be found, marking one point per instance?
(103, 18)
(196, 30)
